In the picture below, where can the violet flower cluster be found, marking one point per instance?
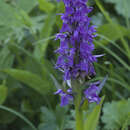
(76, 46)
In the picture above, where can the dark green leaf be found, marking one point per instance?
(122, 6)
(32, 80)
(3, 93)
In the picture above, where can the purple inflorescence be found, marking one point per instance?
(76, 46)
(76, 41)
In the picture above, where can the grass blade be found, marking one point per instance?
(114, 55)
(18, 115)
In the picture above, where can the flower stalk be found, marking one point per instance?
(78, 113)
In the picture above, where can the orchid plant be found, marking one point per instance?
(76, 58)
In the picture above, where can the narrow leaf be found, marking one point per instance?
(114, 55)
(19, 115)
(32, 80)
(45, 33)
(115, 34)
(3, 93)
(102, 84)
(92, 119)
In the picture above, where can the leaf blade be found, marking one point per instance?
(32, 80)
(92, 119)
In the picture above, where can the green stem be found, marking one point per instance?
(77, 100)
(79, 119)
(79, 113)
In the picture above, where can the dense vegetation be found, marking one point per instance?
(28, 79)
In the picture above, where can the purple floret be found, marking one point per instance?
(65, 97)
(91, 94)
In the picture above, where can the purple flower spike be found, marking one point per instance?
(76, 50)
(91, 94)
(76, 41)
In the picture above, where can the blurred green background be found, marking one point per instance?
(27, 75)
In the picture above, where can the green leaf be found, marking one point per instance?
(48, 120)
(26, 106)
(31, 63)
(125, 125)
(102, 84)
(13, 21)
(24, 18)
(46, 31)
(6, 117)
(116, 114)
(26, 5)
(114, 44)
(59, 9)
(60, 114)
(70, 123)
(47, 115)
(6, 60)
(3, 93)
(115, 34)
(32, 80)
(46, 6)
(48, 25)
(113, 54)
(84, 105)
(5, 32)
(92, 119)
(57, 85)
(48, 126)
(8, 11)
(18, 115)
(121, 6)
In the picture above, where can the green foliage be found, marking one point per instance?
(19, 115)
(93, 118)
(8, 11)
(32, 80)
(115, 74)
(3, 93)
(116, 115)
(6, 60)
(121, 6)
(46, 31)
(46, 6)
(56, 119)
(115, 34)
(26, 5)
(49, 120)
